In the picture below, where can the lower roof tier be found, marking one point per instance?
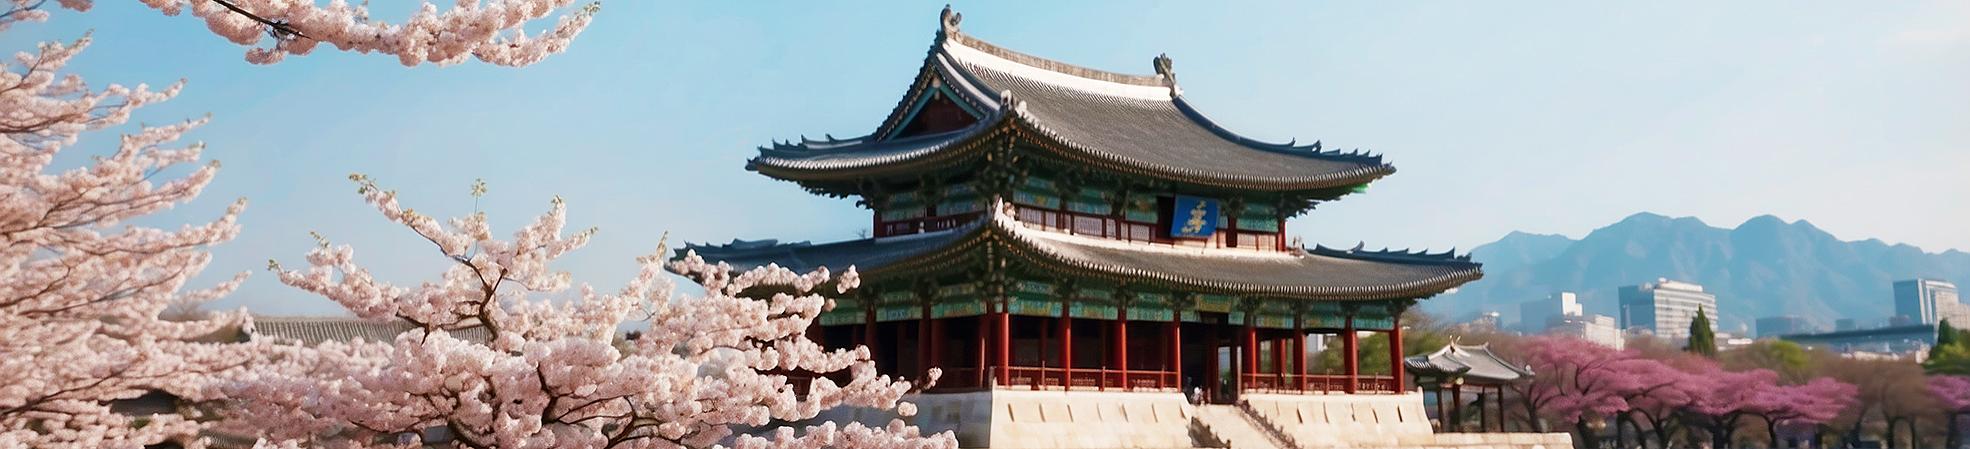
(1312, 274)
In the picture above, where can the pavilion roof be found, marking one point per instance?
(1467, 361)
(1134, 124)
(1319, 273)
(310, 331)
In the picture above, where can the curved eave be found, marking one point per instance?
(960, 145)
(999, 235)
(1079, 152)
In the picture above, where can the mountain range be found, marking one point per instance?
(1763, 267)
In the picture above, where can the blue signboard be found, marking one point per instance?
(1194, 217)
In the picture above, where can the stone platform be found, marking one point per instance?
(1164, 420)
(1377, 421)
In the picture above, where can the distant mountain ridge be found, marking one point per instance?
(1763, 267)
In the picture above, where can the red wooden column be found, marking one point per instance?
(1299, 348)
(1279, 361)
(1066, 348)
(984, 331)
(1122, 346)
(923, 340)
(1351, 359)
(1395, 351)
(869, 339)
(1176, 348)
(1005, 347)
(937, 343)
(1251, 355)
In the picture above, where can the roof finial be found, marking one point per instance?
(1162, 62)
(1169, 74)
(948, 22)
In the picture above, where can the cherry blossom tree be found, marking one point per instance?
(1726, 398)
(1654, 393)
(1815, 402)
(1577, 381)
(1953, 394)
(549, 373)
(80, 290)
(493, 31)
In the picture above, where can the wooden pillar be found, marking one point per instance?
(1501, 409)
(1176, 349)
(1279, 361)
(984, 345)
(923, 340)
(1212, 381)
(1066, 349)
(869, 327)
(1299, 348)
(1351, 360)
(937, 342)
(1005, 347)
(1442, 418)
(1122, 346)
(1251, 355)
(1484, 412)
(1456, 407)
(1395, 352)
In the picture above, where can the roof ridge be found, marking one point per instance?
(1057, 66)
(948, 32)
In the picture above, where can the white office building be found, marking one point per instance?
(1665, 307)
(1535, 315)
(1926, 301)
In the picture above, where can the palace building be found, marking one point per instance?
(1074, 246)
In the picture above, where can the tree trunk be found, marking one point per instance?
(1950, 436)
(1914, 436)
(1889, 440)
(1771, 430)
(1587, 438)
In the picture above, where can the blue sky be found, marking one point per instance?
(1549, 117)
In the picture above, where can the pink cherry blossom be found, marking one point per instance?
(81, 293)
(493, 31)
(551, 374)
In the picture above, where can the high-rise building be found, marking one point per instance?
(1924, 300)
(1666, 307)
(1599, 329)
(1534, 314)
(1773, 326)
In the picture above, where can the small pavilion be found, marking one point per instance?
(1455, 366)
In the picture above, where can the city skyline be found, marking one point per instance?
(1483, 108)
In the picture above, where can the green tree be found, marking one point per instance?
(1792, 362)
(1703, 341)
(1945, 336)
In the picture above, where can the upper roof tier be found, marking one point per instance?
(1317, 274)
(1135, 124)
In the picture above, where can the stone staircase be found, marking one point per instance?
(1239, 429)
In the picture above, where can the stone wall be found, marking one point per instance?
(1119, 420)
(1378, 420)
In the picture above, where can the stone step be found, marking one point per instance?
(1237, 428)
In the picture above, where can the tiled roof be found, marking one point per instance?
(1316, 274)
(1470, 362)
(311, 331)
(1137, 124)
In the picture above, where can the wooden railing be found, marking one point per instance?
(1315, 383)
(925, 224)
(1115, 227)
(1102, 379)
